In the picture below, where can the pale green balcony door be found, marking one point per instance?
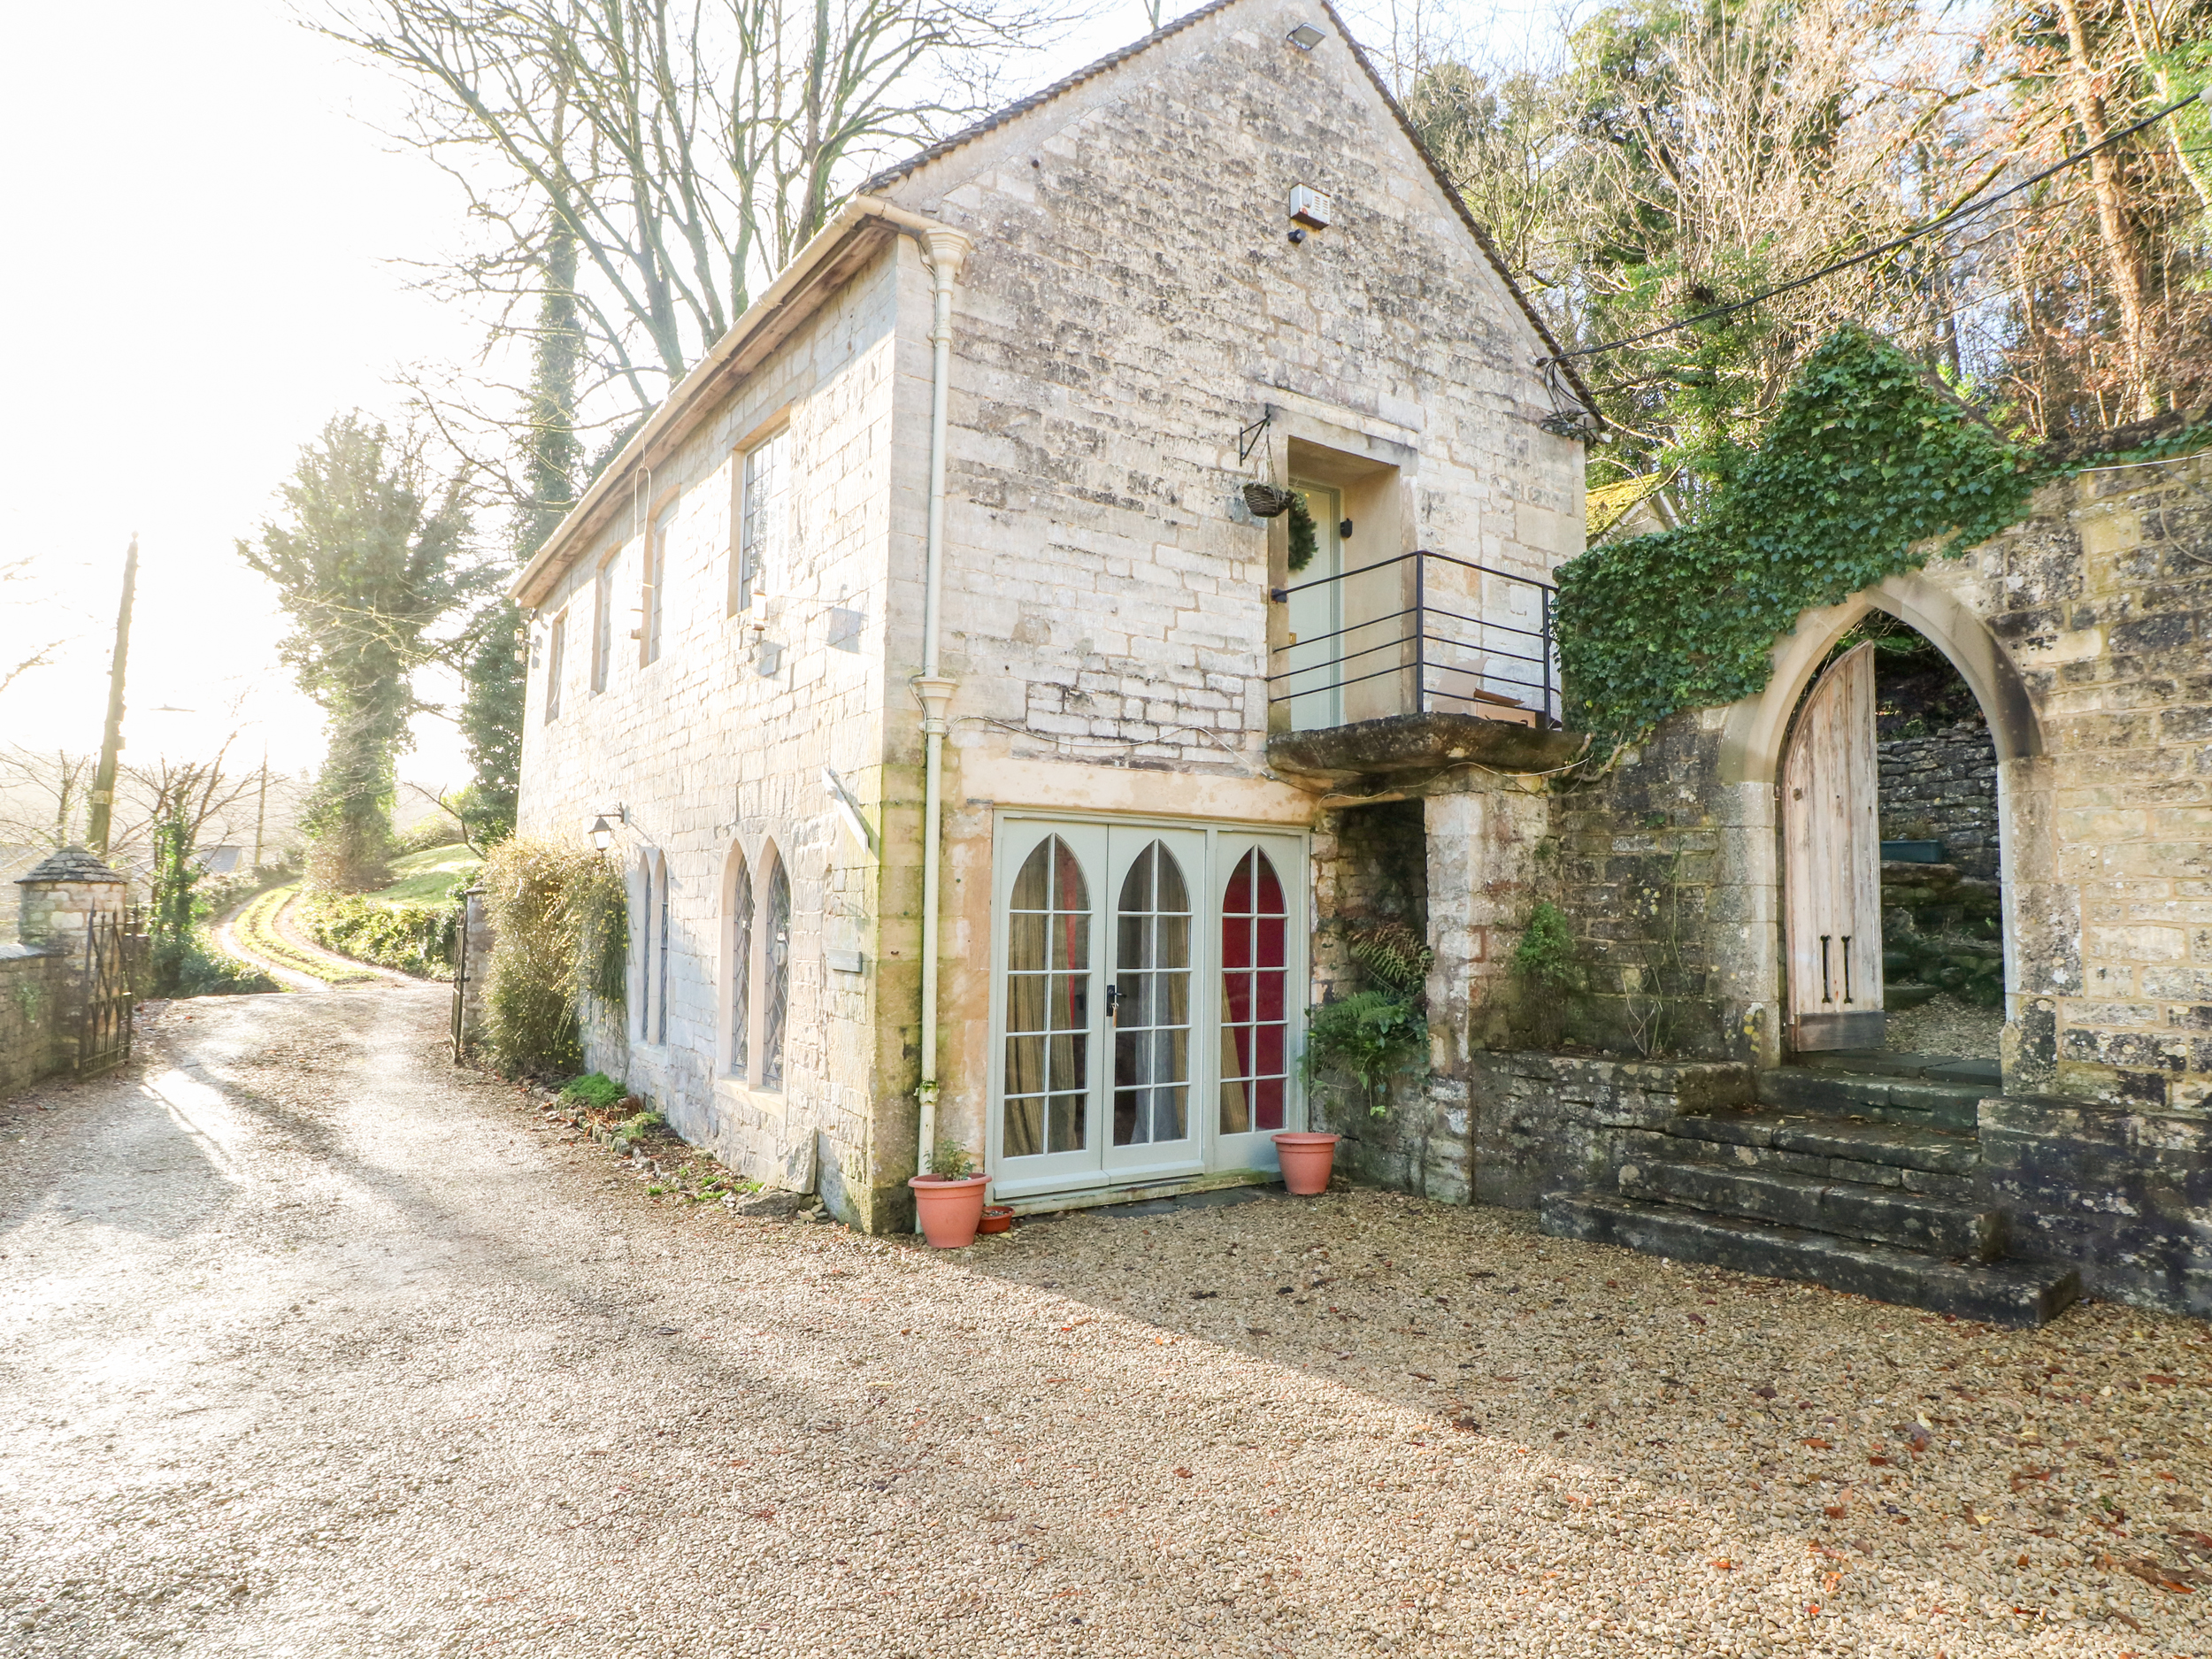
(1317, 620)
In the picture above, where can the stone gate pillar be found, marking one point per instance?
(474, 970)
(60, 898)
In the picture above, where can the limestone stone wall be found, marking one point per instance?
(1653, 874)
(1513, 1126)
(1369, 864)
(2125, 1194)
(1133, 301)
(2105, 599)
(1941, 931)
(2084, 631)
(31, 990)
(714, 752)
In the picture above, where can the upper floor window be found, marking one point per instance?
(556, 650)
(654, 586)
(763, 507)
(602, 622)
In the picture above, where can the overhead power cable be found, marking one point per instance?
(1895, 243)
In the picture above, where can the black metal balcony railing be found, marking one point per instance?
(1420, 633)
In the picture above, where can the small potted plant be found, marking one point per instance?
(1369, 1038)
(949, 1199)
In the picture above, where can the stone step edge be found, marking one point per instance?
(1929, 1205)
(1856, 1150)
(2010, 1293)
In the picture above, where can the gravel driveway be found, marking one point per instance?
(312, 1345)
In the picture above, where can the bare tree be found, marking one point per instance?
(19, 570)
(194, 795)
(43, 794)
(670, 153)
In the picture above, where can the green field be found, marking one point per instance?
(424, 878)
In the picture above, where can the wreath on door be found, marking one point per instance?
(1303, 542)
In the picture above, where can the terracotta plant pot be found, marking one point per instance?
(996, 1219)
(1307, 1160)
(950, 1210)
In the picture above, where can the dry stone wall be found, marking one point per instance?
(1943, 787)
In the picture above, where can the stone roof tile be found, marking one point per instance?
(71, 863)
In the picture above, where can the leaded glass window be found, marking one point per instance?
(776, 977)
(1254, 985)
(740, 971)
(1151, 1011)
(1048, 1005)
(763, 509)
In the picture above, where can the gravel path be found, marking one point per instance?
(311, 1345)
(1944, 1025)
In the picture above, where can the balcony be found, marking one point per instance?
(1416, 663)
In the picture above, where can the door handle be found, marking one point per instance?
(1113, 999)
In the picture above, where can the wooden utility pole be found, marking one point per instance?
(111, 740)
(261, 809)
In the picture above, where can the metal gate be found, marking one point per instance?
(462, 968)
(104, 1039)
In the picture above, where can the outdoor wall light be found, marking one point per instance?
(602, 833)
(1305, 37)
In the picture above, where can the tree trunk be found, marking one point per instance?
(2130, 282)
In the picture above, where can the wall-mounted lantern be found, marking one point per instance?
(602, 833)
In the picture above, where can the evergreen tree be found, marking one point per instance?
(491, 714)
(370, 562)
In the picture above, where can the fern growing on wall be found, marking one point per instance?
(1380, 1032)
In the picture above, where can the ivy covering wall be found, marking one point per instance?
(1869, 468)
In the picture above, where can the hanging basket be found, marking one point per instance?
(1267, 500)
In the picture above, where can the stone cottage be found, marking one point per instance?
(961, 657)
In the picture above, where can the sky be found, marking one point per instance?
(211, 243)
(215, 283)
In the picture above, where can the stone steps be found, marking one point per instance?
(1881, 1215)
(1999, 1293)
(1865, 1181)
(1916, 1157)
(1875, 1097)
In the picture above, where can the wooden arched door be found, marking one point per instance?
(1832, 847)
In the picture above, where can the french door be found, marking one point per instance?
(1148, 982)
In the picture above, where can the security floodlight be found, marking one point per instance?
(1305, 37)
(602, 834)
